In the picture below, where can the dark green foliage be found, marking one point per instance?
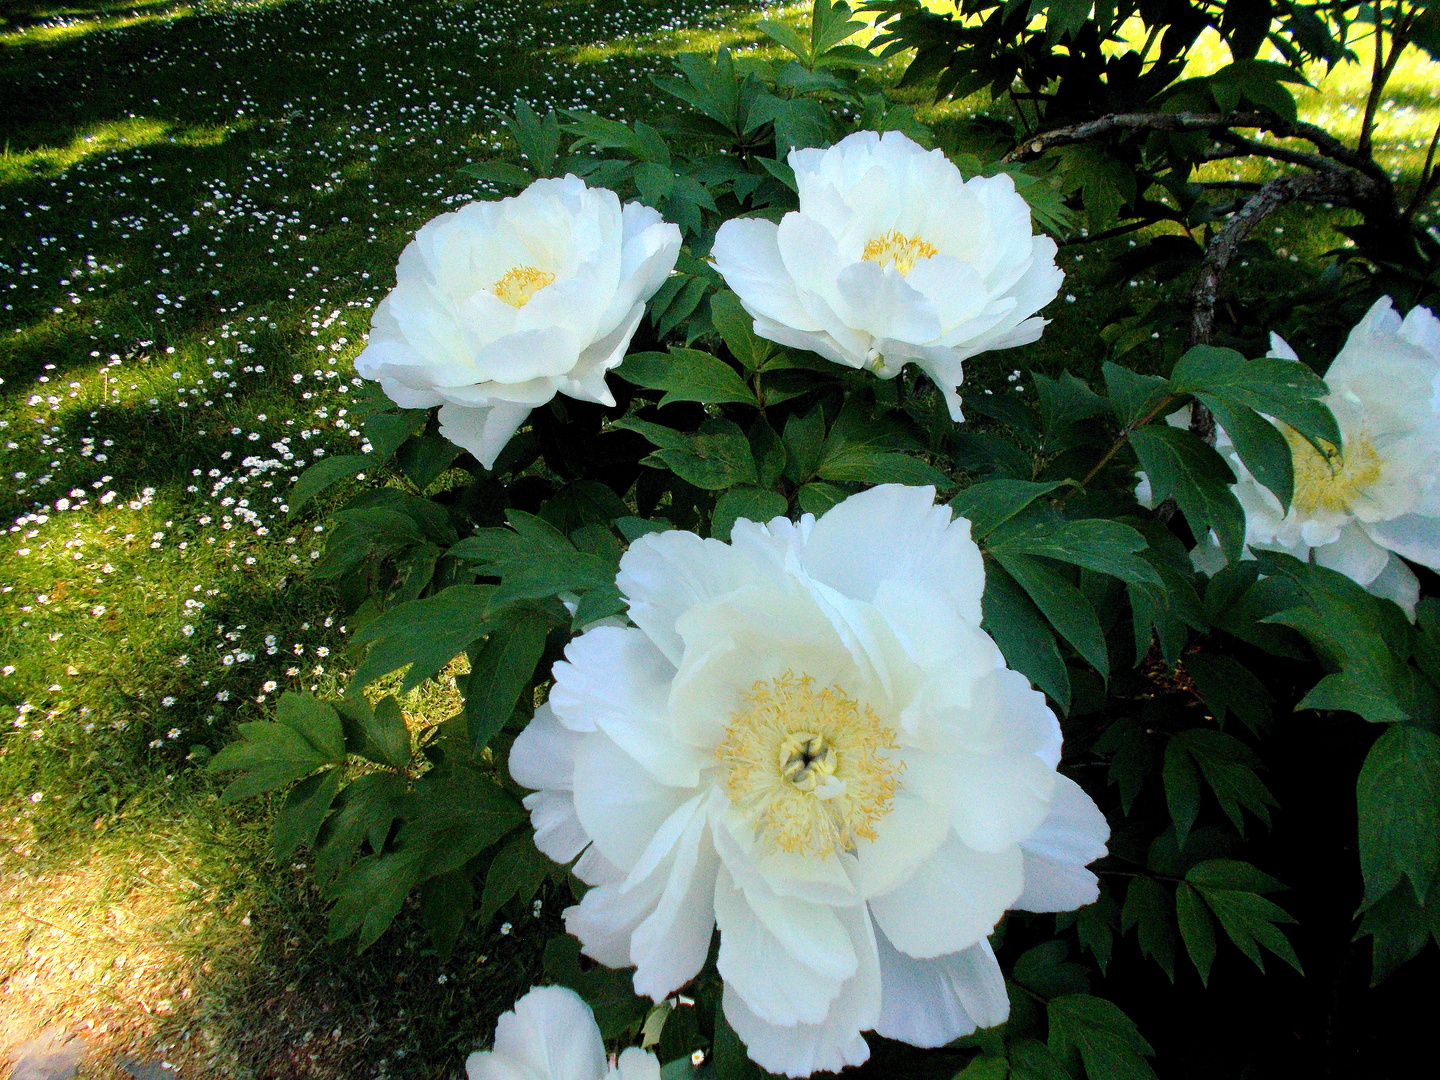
(1089, 593)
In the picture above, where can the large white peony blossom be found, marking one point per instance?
(1375, 499)
(893, 257)
(806, 739)
(499, 306)
(551, 1035)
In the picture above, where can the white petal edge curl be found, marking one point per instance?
(1074, 835)
(483, 431)
(550, 1033)
(801, 1049)
(973, 888)
(934, 1002)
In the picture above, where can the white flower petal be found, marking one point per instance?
(550, 1033)
(616, 680)
(636, 1064)
(483, 431)
(620, 804)
(774, 983)
(542, 757)
(670, 946)
(1073, 835)
(935, 1002)
(747, 256)
(898, 532)
(1355, 554)
(558, 832)
(1412, 536)
(973, 889)
(1397, 582)
(802, 1049)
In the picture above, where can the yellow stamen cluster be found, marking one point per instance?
(1331, 480)
(808, 767)
(895, 247)
(520, 283)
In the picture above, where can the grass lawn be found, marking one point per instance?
(200, 204)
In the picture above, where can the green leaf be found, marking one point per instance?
(866, 464)
(817, 497)
(786, 37)
(500, 671)
(1228, 766)
(1107, 547)
(985, 1068)
(370, 894)
(445, 901)
(307, 737)
(1196, 930)
(1100, 1035)
(303, 812)
(1181, 466)
(804, 440)
(737, 330)
(1398, 797)
(454, 814)
(1228, 687)
(516, 871)
(753, 504)
(1259, 443)
(716, 457)
(1023, 635)
(501, 173)
(1147, 907)
(830, 24)
(1134, 759)
(538, 576)
(1031, 1059)
(539, 140)
(364, 808)
(388, 429)
(1046, 970)
(1134, 396)
(1065, 606)
(1066, 400)
(323, 475)
(1400, 928)
(1284, 389)
(424, 634)
(991, 503)
(1231, 890)
(686, 375)
(423, 458)
(377, 733)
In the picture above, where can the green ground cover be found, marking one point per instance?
(200, 203)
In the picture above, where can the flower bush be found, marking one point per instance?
(839, 720)
(806, 740)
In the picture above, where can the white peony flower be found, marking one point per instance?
(893, 257)
(551, 1035)
(806, 739)
(1362, 508)
(499, 306)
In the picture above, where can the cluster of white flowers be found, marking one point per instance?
(804, 738)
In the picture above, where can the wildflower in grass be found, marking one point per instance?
(499, 306)
(1365, 506)
(893, 258)
(806, 739)
(551, 1034)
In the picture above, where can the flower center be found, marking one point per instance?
(1331, 480)
(808, 767)
(520, 283)
(895, 247)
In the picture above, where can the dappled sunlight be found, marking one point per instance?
(67, 25)
(109, 137)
